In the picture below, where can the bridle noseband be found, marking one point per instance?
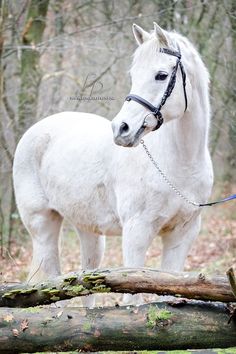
(156, 111)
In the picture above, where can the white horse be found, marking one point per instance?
(67, 166)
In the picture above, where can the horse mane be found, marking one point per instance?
(194, 66)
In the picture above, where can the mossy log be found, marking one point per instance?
(122, 280)
(156, 326)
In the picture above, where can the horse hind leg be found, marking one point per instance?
(44, 227)
(92, 252)
(42, 223)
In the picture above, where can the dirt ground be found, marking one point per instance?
(214, 251)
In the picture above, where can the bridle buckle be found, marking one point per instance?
(157, 114)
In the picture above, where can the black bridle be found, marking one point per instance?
(156, 111)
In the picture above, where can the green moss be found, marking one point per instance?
(75, 290)
(35, 309)
(9, 295)
(55, 298)
(46, 291)
(94, 278)
(54, 292)
(100, 289)
(87, 327)
(70, 279)
(15, 292)
(155, 316)
(164, 315)
(28, 291)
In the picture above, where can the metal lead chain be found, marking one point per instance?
(166, 179)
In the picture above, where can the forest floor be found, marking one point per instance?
(214, 251)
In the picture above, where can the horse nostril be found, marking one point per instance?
(124, 128)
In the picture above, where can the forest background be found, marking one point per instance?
(54, 52)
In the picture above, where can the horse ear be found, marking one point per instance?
(139, 34)
(159, 32)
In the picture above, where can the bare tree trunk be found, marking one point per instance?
(156, 326)
(143, 280)
(30, 55)
(6, 154)
(232, 95)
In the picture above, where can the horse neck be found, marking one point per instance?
(186, 139)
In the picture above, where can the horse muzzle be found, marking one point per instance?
(123, 136)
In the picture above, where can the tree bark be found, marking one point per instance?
(232, 280)
(30, 69)
(156, 326)
(121, 280)
(232, 92)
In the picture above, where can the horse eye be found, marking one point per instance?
(161, 75)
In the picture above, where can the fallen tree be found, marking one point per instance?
(122, 280)
(158, 326)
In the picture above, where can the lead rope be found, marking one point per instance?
(177, 191)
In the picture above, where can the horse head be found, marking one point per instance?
(159, 88)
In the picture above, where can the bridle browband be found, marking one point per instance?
(156, 111)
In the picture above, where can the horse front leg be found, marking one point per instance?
(177, 244)
(136, 238)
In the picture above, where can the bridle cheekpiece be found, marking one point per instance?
(156, 111)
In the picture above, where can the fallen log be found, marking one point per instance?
(156, 326)
(121, 280)
(232, 280)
